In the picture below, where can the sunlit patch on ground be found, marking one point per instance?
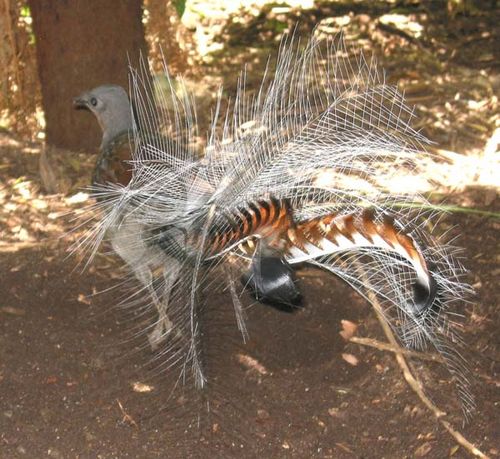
(299, 398)
(29, 215)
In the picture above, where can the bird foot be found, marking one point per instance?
(160, 333)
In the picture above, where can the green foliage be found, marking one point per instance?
(451, 209)
(180, 7)
(276, 26)
(25, 11)
(25, 15)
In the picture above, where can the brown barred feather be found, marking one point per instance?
(273, 221)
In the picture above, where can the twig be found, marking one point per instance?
(401, 33)
(126, 417)
(461, 440)
(447, 208)
(387, 347)
(410, 379)
(413, 382)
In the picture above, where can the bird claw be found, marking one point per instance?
(161, 331)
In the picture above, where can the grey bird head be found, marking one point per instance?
(111, 106)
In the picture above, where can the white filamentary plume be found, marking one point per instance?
(261, 183)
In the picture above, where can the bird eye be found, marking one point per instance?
(93, 101)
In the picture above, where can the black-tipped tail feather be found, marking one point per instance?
(272, 281)
(426, 298)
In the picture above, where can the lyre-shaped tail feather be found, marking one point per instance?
(294, 166)
(419, 322)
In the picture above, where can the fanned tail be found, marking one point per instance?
(298, 172)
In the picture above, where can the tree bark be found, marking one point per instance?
(82, 44)
(167, 36)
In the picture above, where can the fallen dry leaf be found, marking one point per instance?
(141, 387)
(334, 412)
(345, 447)
(348, 329)
(350, 359)
(252, 364)
(13, 311)
(83, 299)
(423, 449)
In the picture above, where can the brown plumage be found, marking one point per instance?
(273, 221)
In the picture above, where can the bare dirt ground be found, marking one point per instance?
(294, 390)
(66, 387)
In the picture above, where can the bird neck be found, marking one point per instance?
(111, 137)
(116, 121)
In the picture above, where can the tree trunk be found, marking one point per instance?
(167, 37)
(82, 44)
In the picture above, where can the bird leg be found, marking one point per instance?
(163, 325)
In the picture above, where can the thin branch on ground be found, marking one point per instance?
(387, 347)
(127, 419)
(413, 382)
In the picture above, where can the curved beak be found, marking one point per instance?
(80, 103)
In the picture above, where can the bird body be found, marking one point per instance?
(112, 164)
(111, 106)
(294, 173)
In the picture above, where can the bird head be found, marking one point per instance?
(111, 106)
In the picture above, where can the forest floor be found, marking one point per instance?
(297, 388)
